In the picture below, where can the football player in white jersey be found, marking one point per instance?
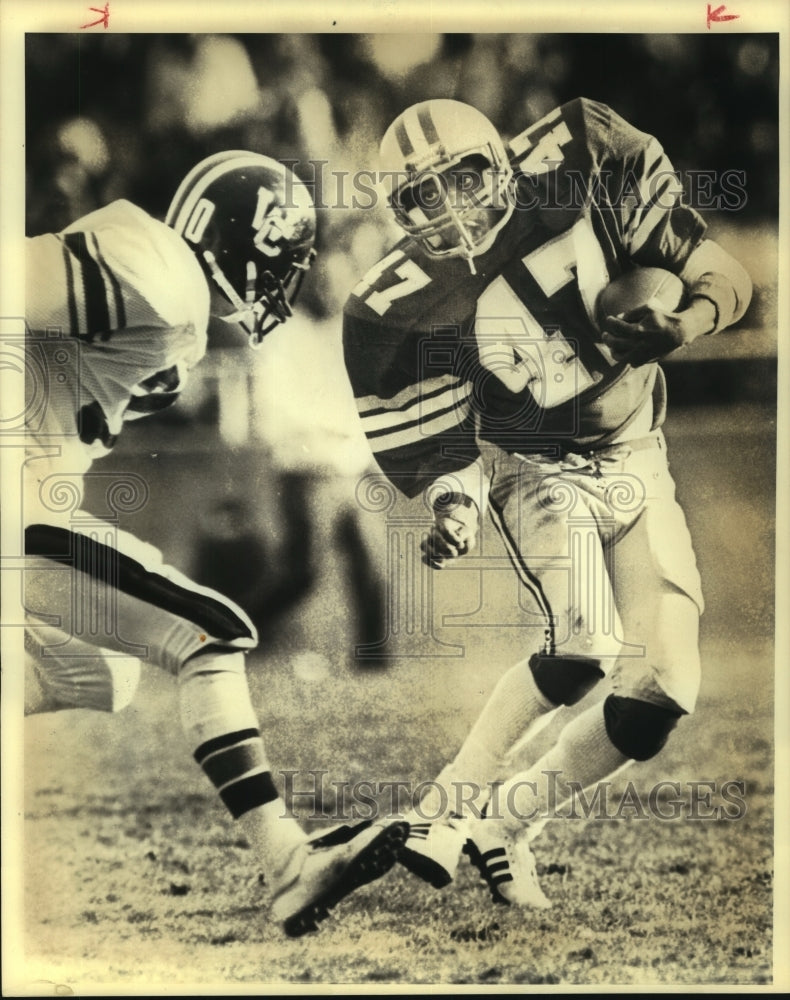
(485, 380)
(118, 307)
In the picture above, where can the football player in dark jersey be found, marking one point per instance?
(486, 381)
(118, 308)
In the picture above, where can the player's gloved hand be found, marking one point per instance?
(646, 334)
(454, 531)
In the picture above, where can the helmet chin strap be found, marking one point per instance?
(243, 311)
(225, 286)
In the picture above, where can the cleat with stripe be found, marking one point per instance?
(433, 848)
(506, 864)
(326, 869)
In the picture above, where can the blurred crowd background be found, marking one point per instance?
(127, 115)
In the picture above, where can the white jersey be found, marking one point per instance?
(117, 313)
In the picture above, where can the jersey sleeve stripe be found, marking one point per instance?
(653, 158)
(168, 380)
(653, 164)
(646, 227)
(419, 430)
(421, 408)
(662, 196)
(74, 323)
(94, 292)
(406, 397)
(418, 418)
(120, 308)
(652, 167)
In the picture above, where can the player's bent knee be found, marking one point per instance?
(37, 698)
(565, 679)
(98, 683)
(638, 729)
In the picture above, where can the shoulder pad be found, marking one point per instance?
(570, 137)
(151, 267)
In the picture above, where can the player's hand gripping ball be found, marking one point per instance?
(640, 313)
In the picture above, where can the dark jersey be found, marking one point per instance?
(439, 357)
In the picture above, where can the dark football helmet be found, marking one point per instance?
(251, 223)
(448, 178)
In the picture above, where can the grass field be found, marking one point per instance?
(135, 880)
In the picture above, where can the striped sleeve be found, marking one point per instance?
(657, 227)
(418, 420)
(422, 410)
(95, 299)
(125, 270)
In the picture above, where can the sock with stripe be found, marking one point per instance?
(515, 710)
(583, 755)
(218, 718)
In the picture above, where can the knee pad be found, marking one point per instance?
(565, 680)
(637, 728)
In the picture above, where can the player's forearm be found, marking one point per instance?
(716, 283)
(699, 318)
(471, 481)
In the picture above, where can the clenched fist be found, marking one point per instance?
(454, 531)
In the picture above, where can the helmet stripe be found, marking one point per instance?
(179, 218)
(198, 171)
(425, 119)
(404, 141)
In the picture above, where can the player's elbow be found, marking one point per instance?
(740, 281)
(743, 287)
(725, 278)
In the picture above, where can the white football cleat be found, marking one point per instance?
(506, 864)
(433, 847)
(324, 870)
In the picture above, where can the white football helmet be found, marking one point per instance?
(251, 223)
(447, 177)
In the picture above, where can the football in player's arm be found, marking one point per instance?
(485, 378)
(118, 307)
